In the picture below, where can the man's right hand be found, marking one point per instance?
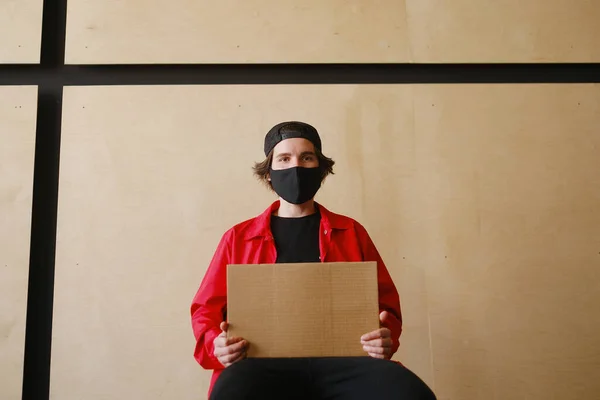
(229, 351)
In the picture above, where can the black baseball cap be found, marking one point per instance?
(291, 129)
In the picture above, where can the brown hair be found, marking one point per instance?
(261, 169)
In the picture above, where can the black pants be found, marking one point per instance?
(319, 378)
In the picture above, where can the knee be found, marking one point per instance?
(412, 384)
(234, 382)
(395, 381)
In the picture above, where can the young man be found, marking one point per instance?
(297, 229)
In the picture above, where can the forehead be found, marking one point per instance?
(293, 146)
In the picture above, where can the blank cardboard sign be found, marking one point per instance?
(303, 309)
(17, 148)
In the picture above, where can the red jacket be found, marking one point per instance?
(251, 242)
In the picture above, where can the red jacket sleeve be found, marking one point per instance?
(209, 305)
(389, 300)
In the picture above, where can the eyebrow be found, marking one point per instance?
(304, 153)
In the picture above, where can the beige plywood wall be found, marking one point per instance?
(229, 31)
(358, 31)
(483, 200)
(536, 31)
(17, 147)
(20, 31)
(510, 184)
(145, 196)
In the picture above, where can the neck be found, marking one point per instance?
(289, 210)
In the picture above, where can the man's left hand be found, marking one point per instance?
(378, 344)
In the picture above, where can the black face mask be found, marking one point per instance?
(296, 185)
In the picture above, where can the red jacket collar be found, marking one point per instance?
(261, 225)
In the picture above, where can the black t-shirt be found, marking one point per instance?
(297, 239)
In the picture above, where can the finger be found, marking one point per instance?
(383, 316)
(222, 340)
(229, 349)
(223, 335)
(231, 358)
(236, 347)
(233, 340)
(371, 335)
(218, 343)
(383, 342)
(379, 333)
(374, 349)
(379, 356)
(224, 326)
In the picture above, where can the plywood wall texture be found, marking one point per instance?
(269, 31)
(510, 180)
(151, 177)
(536, 31)
(482, 199)
(20, 31)
(17, 147)
(229, 31)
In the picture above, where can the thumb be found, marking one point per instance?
(224, 326)
(384, 316)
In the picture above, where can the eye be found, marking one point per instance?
(309, 158)
(284, 159)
